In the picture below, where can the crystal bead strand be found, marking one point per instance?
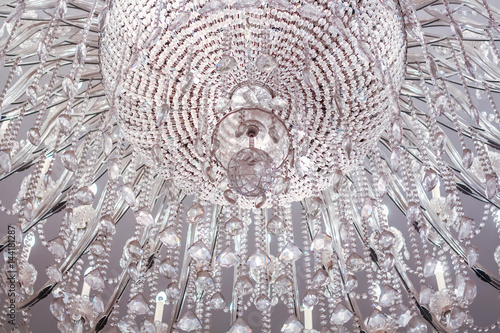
(19, 10)
(8, 82)
(34, 132)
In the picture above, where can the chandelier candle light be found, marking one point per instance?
(250, 165)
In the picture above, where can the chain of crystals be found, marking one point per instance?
(7, 144)
(242, 271)
(43, 50)
(363, 192)
(451, 111)
(491, 180)
(459, 36)
(413, 214)
(288, 267)
(493, 105)
(13, 70)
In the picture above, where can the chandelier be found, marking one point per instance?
(249, 165)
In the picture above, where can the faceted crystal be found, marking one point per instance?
(57, 248)
(276, 225)
(173, 292)
(128, 194)
(134, 249)
(54, 273)
(467, 158)
(226, 64)
(167, 268)
(496, 255)
(355, 262)
(258, 260)
(189, 322)
(169, 238)
(320, 278)
(266, 63)
(85, 196)
(282, 284)
(340, 315)
(425, 296)
(290, 253)
(94, 279)
(292, 325)
(430, 180)
(403, 315)
(138, 305)
(243, 285)
(472, 255)
(263, 303)
(457, 317)
(227, 258)
(417, 325)
(310, 299)
(387, 296)
(205, 281)
(376, 322)
(217, 301)
(234, 226)
(321, 242)
(57, 309)
(466, 228)
(430, 266)
(180, 20)
(69, 160)
(5, 161)
(34, 136)
(351, 283)
(199, 251)
(386, 239)
(195, 213)
(240, 326)
(144, 217)
(64, 122)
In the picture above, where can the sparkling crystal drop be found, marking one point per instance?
(195, 213)
(5, 161)
(234, 226)
(240, 326)
(31, 94)
(258, 260)
(85, 196)
(430, 180)
(199, 251)
(134, 249)
(466, 229)
(64, 122)
(496, 255)
(205, 281)
(243, 285)
(167, 268)
(263, 303)
(57, 248)
(387, 296)
(290, 253)
(467, 158)
(81, 53)
(355, 262)
(321, 242)
(266, 63)
(292, 325)
(403, 315)
(416, 325)
(320, 278)
(226, 64)
(34, 136)
(189, 322)
(340, 315)
(69, 160)
(94, 279)
(54, 273)
(376, 322)
(491, 185)
(276, 225)
(144, 217)
(138, 305)
(180, 20)
(169, 238)
(217, 301)
(351, 283)
(472, 255)
(430, 266)
(107, 225)
(128, 194)
(173, 292)
(282, 284)
(69, 87)
(457, 317)
(227, 258)
(57, 309)
(310, 299)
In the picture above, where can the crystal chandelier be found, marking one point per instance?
(236, 165)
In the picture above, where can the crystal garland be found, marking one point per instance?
(367, 225)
